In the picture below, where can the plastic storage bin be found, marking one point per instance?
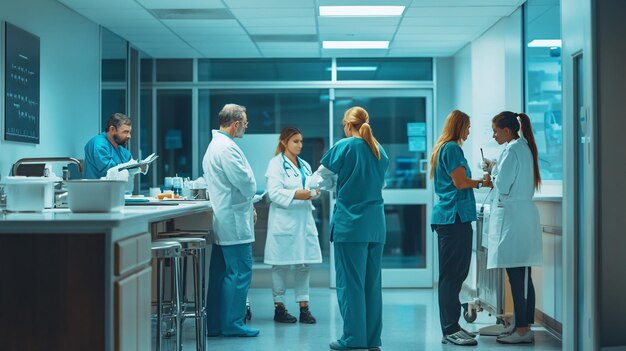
(28, 194)
(95, 195)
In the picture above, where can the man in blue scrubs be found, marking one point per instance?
(106, 150)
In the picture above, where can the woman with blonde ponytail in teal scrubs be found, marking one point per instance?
(358, 229)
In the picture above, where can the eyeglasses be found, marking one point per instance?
(245, 123)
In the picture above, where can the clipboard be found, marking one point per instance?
(146, 161)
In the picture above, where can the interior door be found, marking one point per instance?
(402, 122)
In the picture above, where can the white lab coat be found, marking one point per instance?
(292, 237)
(515, 238)
(231, 186)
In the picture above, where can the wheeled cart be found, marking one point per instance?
(489, 293)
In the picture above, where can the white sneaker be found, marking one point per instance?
(459, 338)
(469, 334)
(517, 338)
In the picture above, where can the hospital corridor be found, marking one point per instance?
(312, 175)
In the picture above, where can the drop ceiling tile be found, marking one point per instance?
(273, 13)
(418, 36)
(432, 30)
(363, 2)
(217, 23)
(97, 4)
(288, 46)
(238, 4)
(432, 3)
(459, 11)
(372, 36)
(425, 43)
(110, 15)
(275, 21)
(292, 30)
(181, 4)
(447, 20)
(216, 39)
(209, 31)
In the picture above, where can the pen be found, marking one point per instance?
(481, 154)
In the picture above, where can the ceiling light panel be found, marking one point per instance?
(361, 44)
(359, 31)
(352, 22)
(544, 43)
(361, 11)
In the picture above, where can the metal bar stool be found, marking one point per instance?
(194, 248)
(162, 250)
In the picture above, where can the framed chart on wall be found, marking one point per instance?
(21, 85)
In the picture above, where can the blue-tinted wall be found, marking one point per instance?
(70, 80)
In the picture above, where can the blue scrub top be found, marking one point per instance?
(451, 200)
(101, 155)
(359, 214)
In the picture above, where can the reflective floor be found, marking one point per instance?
(411, 322)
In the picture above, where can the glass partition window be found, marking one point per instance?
(385, 69)
(399, 125)
(174, 70)
(174, 133)
(406, 236)
(264, 70)
(543, 83)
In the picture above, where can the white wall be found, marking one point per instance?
(70, 80)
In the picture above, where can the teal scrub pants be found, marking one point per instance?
(359, 293)
(230, 274)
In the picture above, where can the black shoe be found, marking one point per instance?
(306, 316)
(282, 316)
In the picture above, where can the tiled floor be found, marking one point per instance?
(411, 322)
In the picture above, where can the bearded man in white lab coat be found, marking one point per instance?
(231, 186)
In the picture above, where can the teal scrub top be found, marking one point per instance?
(101, 155)
(359, 213)
(451, 200)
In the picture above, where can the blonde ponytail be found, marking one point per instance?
(359, 118)
(366, 133)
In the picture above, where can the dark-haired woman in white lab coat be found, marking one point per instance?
(292, 238)
(515, 241)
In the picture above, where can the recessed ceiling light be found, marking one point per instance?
(544, 43)
(354, 68)
(373, 11)
(362, 44)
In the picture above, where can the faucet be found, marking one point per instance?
(48, 159)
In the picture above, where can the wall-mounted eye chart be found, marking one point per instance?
(21, 85)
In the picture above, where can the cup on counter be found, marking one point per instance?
(154, 192)
(168, 183)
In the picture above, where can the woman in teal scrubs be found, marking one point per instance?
(358, 230)
(452, 219)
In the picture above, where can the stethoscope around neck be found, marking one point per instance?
(287, 166)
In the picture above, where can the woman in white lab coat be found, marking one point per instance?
(292, 239)
(515, 241)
